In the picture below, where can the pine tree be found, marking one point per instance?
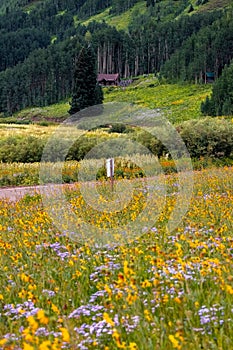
(86, 91)
(150, 3)
(221, 100)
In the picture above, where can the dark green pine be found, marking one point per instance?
(86, 91)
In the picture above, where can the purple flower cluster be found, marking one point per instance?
(20, 310)
(50, 293)
(11, 336)
(130, 323)
(95, 326)
(97, 329)
(101, 270)
(87, 310)
(59, 249)
(42, 331)
(210, 318)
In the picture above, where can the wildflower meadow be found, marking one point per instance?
(161, 290)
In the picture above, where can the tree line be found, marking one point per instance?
(208, 50)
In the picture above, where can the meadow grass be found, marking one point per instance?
(178, 102)
(41, 131)
(56, 110)
(214, 5)
(12, 130)
(120, 22)
(163, 290)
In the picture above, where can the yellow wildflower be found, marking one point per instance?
(65, 335)
(177, 300)
(229, 289)
(55, 309)
(33, 324)
(27, 347)
(24, 277)
(174, 342)
(146, 284)
(45, 345)
(108, 319)
(41, 317)
(3, 341)
(108, 290)
(147, 315)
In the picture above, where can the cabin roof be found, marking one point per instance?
(108, 77)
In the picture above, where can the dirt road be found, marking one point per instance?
(14, 194)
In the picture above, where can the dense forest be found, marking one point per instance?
(40, 40)
(221, 99)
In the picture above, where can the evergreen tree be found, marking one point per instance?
(221, 100)
(150, 3)
(86, 91)
(207, 107)
(191, 8)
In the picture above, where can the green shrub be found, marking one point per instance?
(150, 142)
(18, 149)
(209, 137)
(81, 147)
(206, 162)
(118, 127)
(44, 123)
(23, 121)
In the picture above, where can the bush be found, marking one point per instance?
(204, 163)
(24, 150)
(81, 147)
(118, 127)
(150, 142)
(209, 137)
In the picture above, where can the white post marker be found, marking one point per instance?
(110, 169)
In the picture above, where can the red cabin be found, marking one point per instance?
(109, 79)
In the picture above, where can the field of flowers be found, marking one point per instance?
(164, 290)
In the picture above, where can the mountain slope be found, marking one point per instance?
(121, 21)
(166, 37)
(12, 5)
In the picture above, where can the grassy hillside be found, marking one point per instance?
(53, 113)
(121, 21)
(212, 5)
(14, 4)
(178, 102)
